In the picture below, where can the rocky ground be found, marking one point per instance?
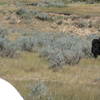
(61, 23)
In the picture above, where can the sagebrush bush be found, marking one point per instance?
(86, 1)
(24, 44)
(39, 89)
(83, 24)
(58, 48)
(33, 3)
(64, 49)
(43, 16)
(47, 3)
(3, 32)
(83, 47)
(34, 12)
(56, 4)
(92, 36)
(7, 48)
(24, 13)
(28, 14)
(71, 49)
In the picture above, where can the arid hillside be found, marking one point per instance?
(45, 49)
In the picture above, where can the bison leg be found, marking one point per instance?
(95, 56)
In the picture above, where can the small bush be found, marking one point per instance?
(83, 47)
(3, 32)
(66, 49)
(44, 16)
(48, 4)
(56, 4)
(83, 24)
(34, 12)
(28, 14)
(33, 4)
(92, 36)
(7, 48)
(24, 13)
(42, 4)
(24, 44)
(39, 89)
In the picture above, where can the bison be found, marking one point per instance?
(95, 47)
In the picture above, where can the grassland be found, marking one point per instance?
(80, 9)
(78, 82)
(70, 83)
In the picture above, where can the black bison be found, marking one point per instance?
(95, 47)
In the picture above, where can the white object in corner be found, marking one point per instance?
(8, 92)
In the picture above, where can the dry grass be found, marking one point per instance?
(80, 9)
(81, 80)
